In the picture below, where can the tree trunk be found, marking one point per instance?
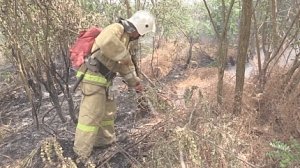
(223, 49)
(258, 53)
(137, 5)
(294, 83)
(128, 8)
(274, 24)
(244, 36)
(290, 82)
(222, 56)
(190, 54)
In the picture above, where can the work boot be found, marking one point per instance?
(123, 138)
(101, 147)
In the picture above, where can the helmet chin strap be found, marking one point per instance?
(134, 38)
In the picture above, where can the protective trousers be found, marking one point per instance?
(96, 120)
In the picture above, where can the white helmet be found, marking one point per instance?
(143, 21)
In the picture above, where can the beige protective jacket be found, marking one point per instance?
(114, 46)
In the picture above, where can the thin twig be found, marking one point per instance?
(148, 79)
(182, 163)
(106, 160)
(7, 157)
(47, 126)
(126, 154)
(192, 113)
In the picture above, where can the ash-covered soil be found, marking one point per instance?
(24, 144)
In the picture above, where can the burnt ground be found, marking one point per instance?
(23, 144)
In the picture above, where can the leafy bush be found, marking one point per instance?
(287, 154)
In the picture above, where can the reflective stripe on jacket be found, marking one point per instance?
(99, 80)
(92, 77)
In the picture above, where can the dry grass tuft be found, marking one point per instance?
(203, 135)
(280, 110)
(161, 62)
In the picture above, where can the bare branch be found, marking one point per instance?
(211, 20)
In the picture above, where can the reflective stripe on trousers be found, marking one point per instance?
(89, 128)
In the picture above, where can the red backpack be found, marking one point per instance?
(83, 45)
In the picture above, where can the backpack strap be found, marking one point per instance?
(94, 52)
(97, 66)
(79, 80)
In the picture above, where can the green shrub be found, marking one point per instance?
(287, 154)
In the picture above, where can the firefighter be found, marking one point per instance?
(95, 126)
